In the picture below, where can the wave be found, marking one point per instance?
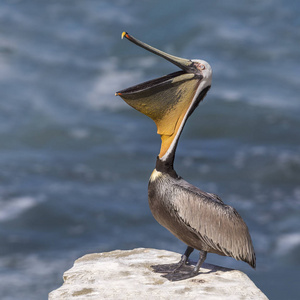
(287, 243)
(12, 208)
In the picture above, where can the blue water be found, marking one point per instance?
(75, 160)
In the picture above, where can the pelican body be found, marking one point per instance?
(199, 219)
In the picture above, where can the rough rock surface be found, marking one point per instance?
(130, 275)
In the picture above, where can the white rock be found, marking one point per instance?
(128, 275)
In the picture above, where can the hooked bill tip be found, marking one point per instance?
(123, 34)
(118, 94)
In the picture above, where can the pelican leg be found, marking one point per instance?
(184, 258)
(201, 260)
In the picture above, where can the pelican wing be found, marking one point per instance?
(217, 225)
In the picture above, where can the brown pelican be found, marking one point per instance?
(199, 219)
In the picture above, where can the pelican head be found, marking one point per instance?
(169, 100)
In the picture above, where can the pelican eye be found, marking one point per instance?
(202, 67)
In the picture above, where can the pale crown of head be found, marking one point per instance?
(205, 69)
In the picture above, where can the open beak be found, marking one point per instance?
(166, 100)
(184, 64)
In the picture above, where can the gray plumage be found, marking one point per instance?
(199, 219)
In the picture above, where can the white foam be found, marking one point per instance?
(233, 32)
(102, 93)
(79, 133)
(287, 243)
(10, 209)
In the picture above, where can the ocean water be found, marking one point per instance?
(75, 160)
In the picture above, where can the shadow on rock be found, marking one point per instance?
(185, 272)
